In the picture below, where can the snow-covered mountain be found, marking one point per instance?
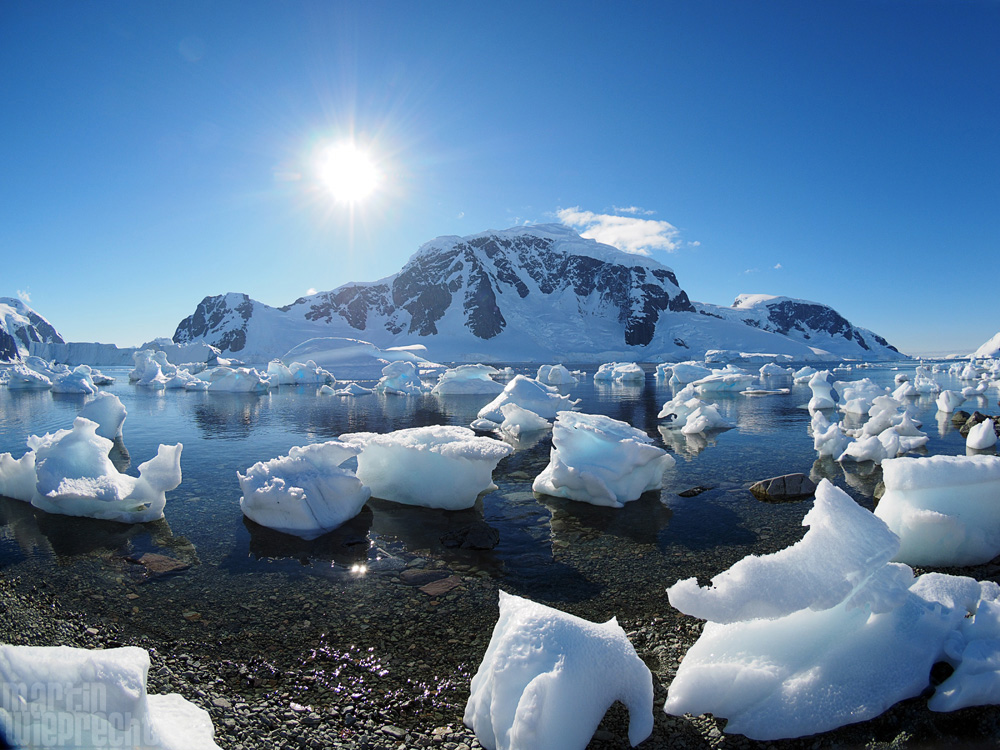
(990, 348)
(20, 326)
(539, 293)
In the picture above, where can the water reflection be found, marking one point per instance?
(347, 545)
(228, 415)
(640, 520)
(64, 537)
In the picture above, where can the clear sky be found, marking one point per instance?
(842, 151)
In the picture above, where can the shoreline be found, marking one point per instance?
(396, 679)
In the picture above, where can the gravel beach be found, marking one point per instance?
(374, 661)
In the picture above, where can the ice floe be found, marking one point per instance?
(600, 460)
(306, 493)
(542, 399)
(435, 467)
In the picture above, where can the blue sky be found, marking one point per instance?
(845, 152)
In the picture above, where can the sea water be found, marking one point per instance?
(549, 549)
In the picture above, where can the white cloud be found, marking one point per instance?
(695, 243)
(633, 211)
(628, 233)
(310, 292)
(24, 296)
(777, 266)
(461, 215)
(751, 270)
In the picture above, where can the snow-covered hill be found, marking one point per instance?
(990, 348)
(538, 293)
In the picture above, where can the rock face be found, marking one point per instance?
(531, 294)
(22, 326)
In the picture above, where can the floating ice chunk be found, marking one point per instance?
(24, 378)
(236, 380)
(544, 400)
(108, 411)
(844, 545)
(772, 370)
(306, 493)
(619, 372)
(982, 436)
(944, 508)
(97, 697)
(688, 372)
(278, 373)
(517, 421)
(974, 391)
(17, 476)
(468, 379)
(436, 467)
(348, 389)
(905, 390)
(151, 368)
(803, 375)
(600, 460)
(857, 396)
(555, 375)
(548, 678)
(76, 381)
(723, 382)
(484, 425)
(949, 401)
(75, 477)
(664, 371)
(829, 439)
(703, 419)
(401, 378)
(309, 373)
(681, 405)
(865, 449)
(196, 385)
(824, 397)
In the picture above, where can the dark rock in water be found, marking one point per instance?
(160, 564)
(786, 487)
(474, 536)
(960, 417)
(419, 577)
(442, 586)
(693, 492)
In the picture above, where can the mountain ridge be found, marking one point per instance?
(531, 294)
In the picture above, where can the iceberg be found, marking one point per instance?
(544, 400)
(944, 509)
(468, 379)
(949, 401)
(435, 467)
(601, 461)
(77, 380)
(548, 678)
(723, 381)
(73, 476)
(555, 375)
(58, 696)
(348, 358)
(401, 378)
(20, 377)
(306, 493)
(619, 372)
(236, 380)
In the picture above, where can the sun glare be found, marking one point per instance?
(347, 172)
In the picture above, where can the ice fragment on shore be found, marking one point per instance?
(548, 678)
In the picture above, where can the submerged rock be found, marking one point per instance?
(785, 487)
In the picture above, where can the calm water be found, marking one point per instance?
(552, 550)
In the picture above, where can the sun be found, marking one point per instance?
(347, 172)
